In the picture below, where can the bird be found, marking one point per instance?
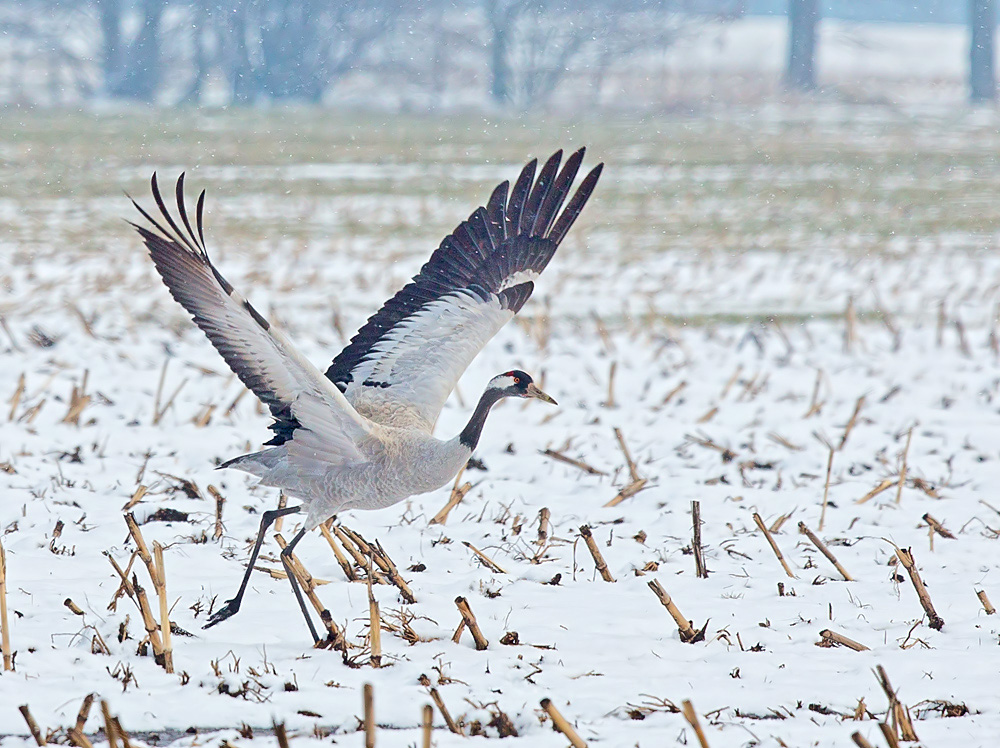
(360, 435)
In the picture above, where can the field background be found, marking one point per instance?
(749, 277)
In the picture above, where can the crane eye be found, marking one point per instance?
(517, 380)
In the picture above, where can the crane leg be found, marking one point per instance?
(286, 561)
(232, 606)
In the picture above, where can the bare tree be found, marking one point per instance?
(533, 45)
(982, 77)
(803, 18)
(298, 49)
(502, 17)
(130, 64)
(45, 58)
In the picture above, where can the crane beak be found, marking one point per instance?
(533, 391)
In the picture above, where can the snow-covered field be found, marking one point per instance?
(712, 273)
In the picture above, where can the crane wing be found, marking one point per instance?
(295, 391)
(404, 362)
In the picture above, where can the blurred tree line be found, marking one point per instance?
(803, 25)
(253, 51)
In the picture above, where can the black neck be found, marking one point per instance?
(470, 434)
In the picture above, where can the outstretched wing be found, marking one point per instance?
(402, 365)
(295, 391)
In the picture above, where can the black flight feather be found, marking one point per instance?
(508, 236)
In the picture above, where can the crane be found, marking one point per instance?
(360, 435)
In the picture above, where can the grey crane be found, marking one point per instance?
(361, 436)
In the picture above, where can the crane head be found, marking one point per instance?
(516, 383)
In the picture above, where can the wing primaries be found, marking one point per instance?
(403, 363)
(296, 393)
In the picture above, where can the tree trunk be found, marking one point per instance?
(109, 13)
(140, 76)
(803, 18)
(982, 78)
(500, 66)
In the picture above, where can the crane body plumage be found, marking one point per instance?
(395, 463)
(360, 435)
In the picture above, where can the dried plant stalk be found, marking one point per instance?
(850, 325)
(76, 734)
(470, 621)
(833, 636)
(280, 734)
(708, 415)
(374, 628)
(205, 416)
(159, 392)
(610, 402)
(885, 485)
(110, 730)
(161, 593)
(900, 714)
(902, 469)
(236, 401)
(488, 562)
(825, 551)
(346, 565)
(369, 705)
(543, 525)
(733, 378)
(780, 522)
(355, 553)
(905, 557)
(602, 566)
(148, 622)
(774, 546)
(385, 563)
(73, 607)
(439, 703)
(15, 399)
(860, 741)
(140, 546)
(36, 733)
(627, 492)
(687, 709)
(826, 489)
(561, 724)
(29, 415)
(632, 471)
(126, 741)
(427, 724)
(889, 734)
(458, 492)
(279, 523)
(852, 422)
(162, 411)
(308, 585)
(580, 464)
(78, 401)
(220, 501)
(938, 527)
(699, 557)
(815, 406)
(673, 393)
(125, 587)
(136, 498)
(987, 605)
(687, 632)
(963, 341)
(8, 656)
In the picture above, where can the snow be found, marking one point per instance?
(748, 327)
